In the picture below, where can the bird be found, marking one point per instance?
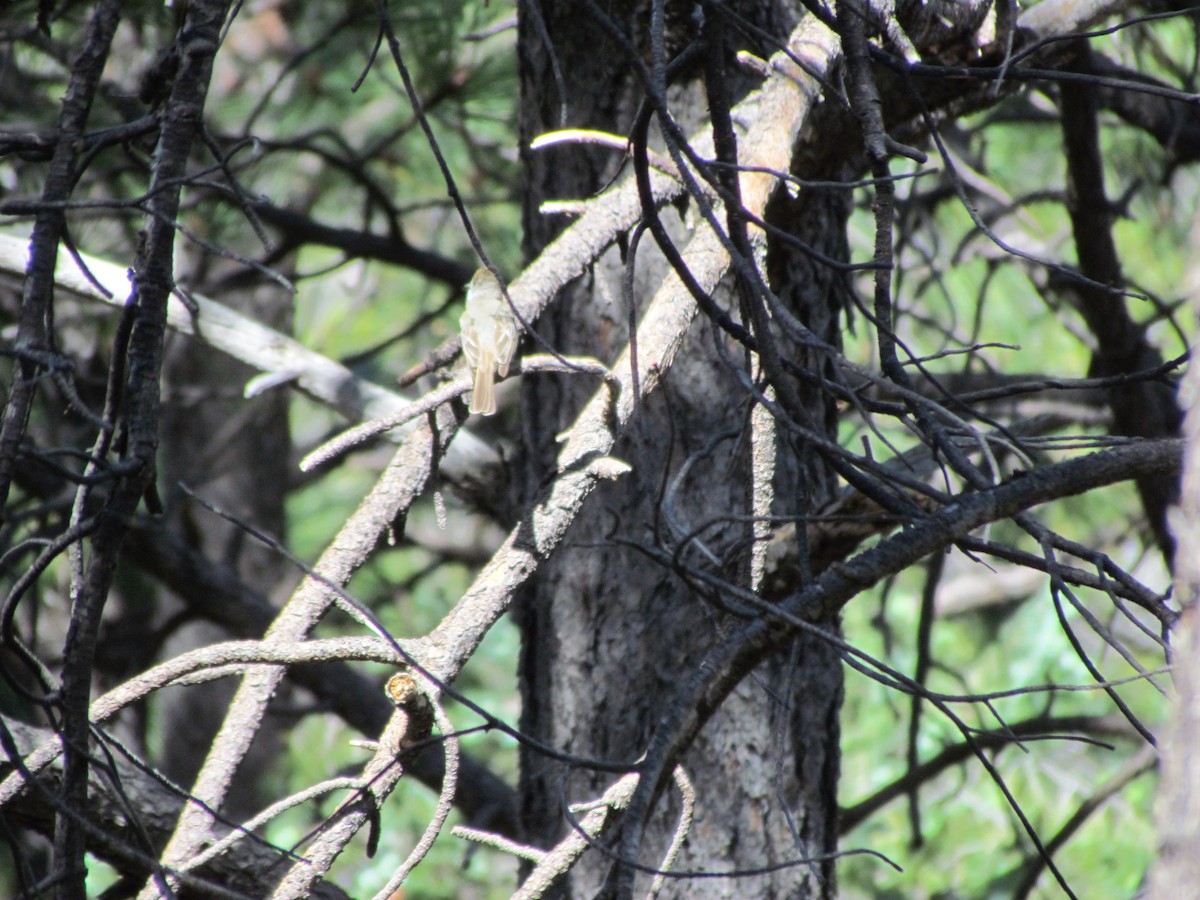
(489, 338)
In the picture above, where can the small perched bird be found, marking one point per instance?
(489, 337)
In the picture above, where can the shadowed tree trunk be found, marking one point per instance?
(608, 631)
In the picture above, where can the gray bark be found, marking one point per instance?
(608, 632)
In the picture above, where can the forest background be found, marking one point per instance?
(952, 294)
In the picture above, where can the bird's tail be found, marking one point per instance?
(483, 397)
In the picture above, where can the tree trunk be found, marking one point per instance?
(608, 632)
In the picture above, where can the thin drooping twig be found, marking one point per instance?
(1143, 763)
